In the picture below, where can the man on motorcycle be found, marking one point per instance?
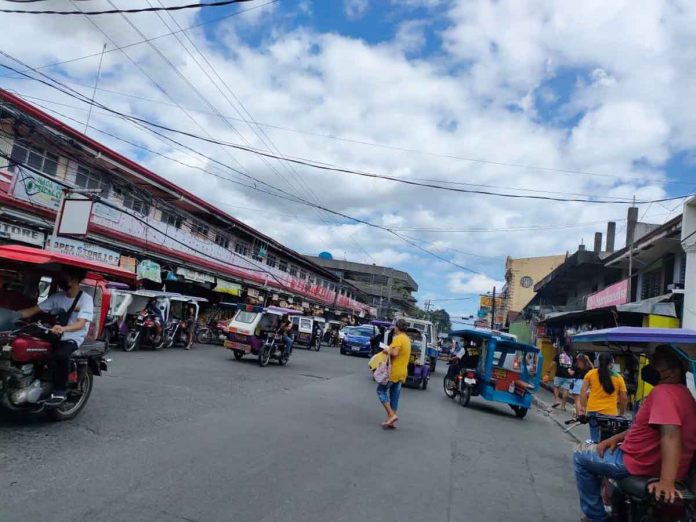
(660, 443)
(464, 358)
(73, 332)
(284, 330)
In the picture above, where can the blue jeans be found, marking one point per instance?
(590, 468)
(288, 343)
(394, 390)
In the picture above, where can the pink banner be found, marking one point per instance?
(613, 295)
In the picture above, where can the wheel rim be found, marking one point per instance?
(449, 392)
(69, 406)
(132, 340)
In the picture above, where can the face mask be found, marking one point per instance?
(63, 284)
(650, 374)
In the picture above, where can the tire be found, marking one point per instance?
(445, 385)
(159, 345)
(465, 396)
(520, 412)
(343, 352)
(433, 363)
(132, 340)
(238, 354)
(167, 341)
(264, 356)
(69, 410)
(283, 359)
(204, 336)
(317, 344)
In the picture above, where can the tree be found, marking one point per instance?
(441, 321)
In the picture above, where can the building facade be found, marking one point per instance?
(385, 289)
(144, 222)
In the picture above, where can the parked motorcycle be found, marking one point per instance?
(176, 333)
(463, 386)
(26, 374)
(203, 334)
(146, 329)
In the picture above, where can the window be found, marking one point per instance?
(35, 157)
(88, 179)
(303, 274)
(651, 284)
(257, 255)
(222, 240)
(241, 248)
(526, 282)
(293, 270)
(283, 265)
(171, 219)
(200, 230)
(136, 204)
(271, 260)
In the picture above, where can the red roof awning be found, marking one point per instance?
(53, 261)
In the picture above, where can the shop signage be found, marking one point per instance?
(252, 292)
(36, 189)
(129, 263)
(613, 295)
(305, 304)
(487, 302)
(197, 277)
(22, 234)
(149, 270)
(78, 248)
(276, 297)
(227, 287)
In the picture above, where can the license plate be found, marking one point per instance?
(355, 348)
(468, 380)
(234, 345)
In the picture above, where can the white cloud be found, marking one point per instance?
(466, 283)
(355, 9)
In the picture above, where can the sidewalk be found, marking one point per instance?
(544, 399)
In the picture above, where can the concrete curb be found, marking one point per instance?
(546, 408)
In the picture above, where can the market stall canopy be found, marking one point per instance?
(636, 339)
(227, 287)
(53, 261)
(653, 305)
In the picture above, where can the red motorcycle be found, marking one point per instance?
(26, 373)
(146, 329)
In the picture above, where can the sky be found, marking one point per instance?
(538, 98)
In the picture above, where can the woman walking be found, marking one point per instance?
(581, 366)
(607, 392)
(399, 353)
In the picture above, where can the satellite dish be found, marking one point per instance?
(325, 255)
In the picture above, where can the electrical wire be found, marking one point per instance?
(326, 167)
(219, 3)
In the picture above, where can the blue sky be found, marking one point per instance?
(533, 98)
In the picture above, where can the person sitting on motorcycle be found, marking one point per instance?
(154, 309)
(73, 333)
(466, 357)
(284, 330)
(660, 443)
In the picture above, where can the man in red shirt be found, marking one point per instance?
(660, 443)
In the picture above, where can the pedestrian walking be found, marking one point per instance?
(563, 381)
(581, 366)
(399, 353)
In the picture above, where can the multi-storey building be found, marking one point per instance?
(142, 220)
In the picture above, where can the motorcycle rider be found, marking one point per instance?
(284, 329)
(660, 443)
(466, 357)
(73, 333)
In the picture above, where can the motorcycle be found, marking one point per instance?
(628, 499)
(146, 328)
(464, 385)
(273, 348)
(176, 333)
(26, 375)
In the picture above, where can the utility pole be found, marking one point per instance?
(493, 311)
(630, 255)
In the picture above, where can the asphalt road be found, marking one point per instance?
(198, 436)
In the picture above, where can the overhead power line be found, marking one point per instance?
(327, 167)
(220, 3)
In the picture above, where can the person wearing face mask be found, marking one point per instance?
(73, 332)
(660, 443)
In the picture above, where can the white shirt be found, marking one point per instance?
(461, 353)
(83, 310)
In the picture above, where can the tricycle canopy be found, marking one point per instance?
(637, 340)
(22, 257)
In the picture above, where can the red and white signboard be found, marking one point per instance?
(613, 295)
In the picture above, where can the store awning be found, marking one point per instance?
(193, 275)
(653, 305)
(227, 287)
